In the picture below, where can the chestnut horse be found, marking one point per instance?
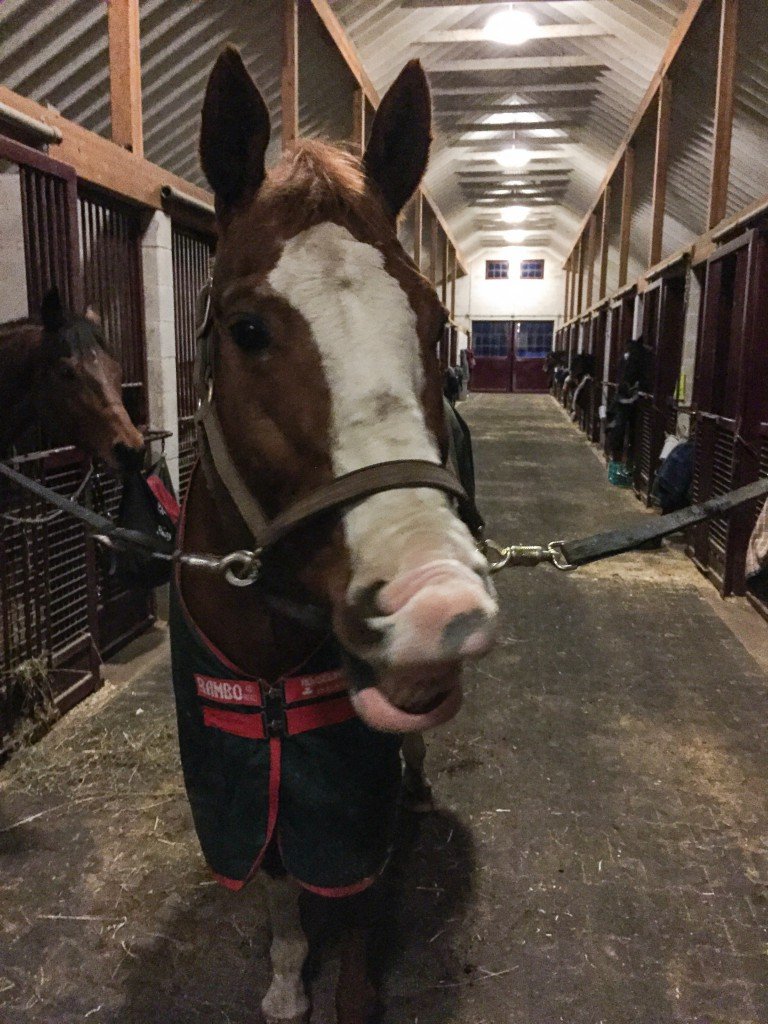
(321, 337)
(59, 373)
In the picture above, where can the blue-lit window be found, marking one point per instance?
(491, 337)
(533, 338)
(532, 270)
(497, 270)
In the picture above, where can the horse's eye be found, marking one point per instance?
(250, 333)
(66, 370)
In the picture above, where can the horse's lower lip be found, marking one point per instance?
(424, 707)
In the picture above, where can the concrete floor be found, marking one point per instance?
(599, 854)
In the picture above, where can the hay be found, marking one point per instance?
(29, 697)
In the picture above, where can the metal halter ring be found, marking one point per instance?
(241, 568)
(504, 555)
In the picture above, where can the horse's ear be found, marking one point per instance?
(398, 149)
(235, 132)
(52, 311)
(93, 317)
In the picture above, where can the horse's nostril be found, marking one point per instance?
(464, 627)
(366, 601)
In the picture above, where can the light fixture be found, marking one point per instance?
(516, 237)
(510, 28)
(513, 157)
(499, 191)
(515, 214)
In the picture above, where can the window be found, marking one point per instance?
(491, 338)
(533, 339)
(532, 270)
(497, 270)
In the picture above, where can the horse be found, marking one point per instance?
(59, 372)
(318, 372)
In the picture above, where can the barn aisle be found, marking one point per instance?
(599, 849)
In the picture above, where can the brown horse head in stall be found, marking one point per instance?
(321, 338)
(60, 373)
(324, 350)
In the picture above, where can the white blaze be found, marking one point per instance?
(365, 329)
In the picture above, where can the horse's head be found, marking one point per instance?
(324, 361)
(78, 387)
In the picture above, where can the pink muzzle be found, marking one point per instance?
(433, 617)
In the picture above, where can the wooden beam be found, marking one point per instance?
(478, 35)
(125, 75)
(605, 239)
(676, 40)
(489, 90)
(726, 78)
(358, 120)
(351, 57)
(520, 127)
(346, 48)
(433, 249)
(104, 163)
(567, 288)
(418, 227)
(453, 283)
(514, 64)
(580, 285)
(660, 166)
(290, 74)
(446, 257)
(591, 244)
(626, 213)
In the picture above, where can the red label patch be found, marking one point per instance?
(311, 687)
(229, 691)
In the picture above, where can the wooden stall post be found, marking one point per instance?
(591, 237)
(567, 299)
(605, 229)
(580, 286)
(433, 238)
(454, 266)
(358, 121)
(661, 163)
(418, 227)
(626, 213)
(726, 78)
(125, 74)
(290, 74)
(446, 249)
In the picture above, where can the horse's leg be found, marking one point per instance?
(286, 1001)
(355, 994)
(418, 793)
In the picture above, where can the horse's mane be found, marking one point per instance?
(324, 181)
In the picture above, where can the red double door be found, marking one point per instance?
(510, 355)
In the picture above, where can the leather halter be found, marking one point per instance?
(228, 486)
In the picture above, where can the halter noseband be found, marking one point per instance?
(227, 483)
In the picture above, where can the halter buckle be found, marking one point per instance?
(241, 568)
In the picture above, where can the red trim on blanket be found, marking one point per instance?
(251, 727)
(317, 716)
(311, 687)
(233, 884)
(347, 890)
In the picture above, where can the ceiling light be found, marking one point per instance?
(516, 237)
(498, 192)
(513, 157)
(515, 214)
(511, 28)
